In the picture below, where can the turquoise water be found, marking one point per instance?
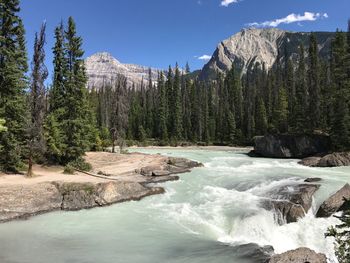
(204, 217)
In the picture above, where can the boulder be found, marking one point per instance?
(312, 180)
(253, 252)
(300, 255)
(330, 160)
(291, 202)
(291, 146)
(335, 203)
(310, 161)
(183, 163)
(335, 159)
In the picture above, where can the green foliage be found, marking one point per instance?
(78, 164)
(13, 66)
(2, 125)
(261, 118)
(70, 127)
(314, 85)
(341, 234)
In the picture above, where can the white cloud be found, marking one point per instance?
(204, 57)
(226, 3)
(292, 18)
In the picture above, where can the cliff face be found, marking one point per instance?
(103, 68)
(262, 46)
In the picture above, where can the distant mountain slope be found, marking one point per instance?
(103, 67)
(263, 46)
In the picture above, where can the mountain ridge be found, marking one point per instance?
(264, 46)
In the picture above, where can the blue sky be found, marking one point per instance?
(161, 32)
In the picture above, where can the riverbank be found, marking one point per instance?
(207, 148)
(114, 178)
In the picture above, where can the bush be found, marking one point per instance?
(78, 164)
(68, 169)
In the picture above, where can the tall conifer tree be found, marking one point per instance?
(13, 66)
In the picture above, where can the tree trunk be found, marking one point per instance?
(30, 166)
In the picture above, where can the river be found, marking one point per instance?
(206, 216)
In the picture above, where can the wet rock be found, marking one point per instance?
(312, 180)
(335, 203)
(291, 202)
(254, 252)
(335, 159)
(173, 165)
(183, 163)
(300, 255)
(291, 146)
(310, 161)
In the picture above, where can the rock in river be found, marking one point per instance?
(300, 255)
(330, 160)
(291, 202)
(291, 146)
(334, 203)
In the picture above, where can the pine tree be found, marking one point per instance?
(301, 94)
(281, 111)
(314, 85)
(36, 143)
(54, 134)
(290, 84)
(340, 130)
(77, 124)
(162, 113)
(231, 125)
(13, 66)
(57, 93)
(341, 234)
(176, 107)
(261, 118)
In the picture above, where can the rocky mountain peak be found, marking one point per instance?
(259, 45)
(102, 68)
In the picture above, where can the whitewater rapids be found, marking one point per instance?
(206, 216)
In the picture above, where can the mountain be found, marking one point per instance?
(263, 46)
(103, 68)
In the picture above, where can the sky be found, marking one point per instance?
(157, 33)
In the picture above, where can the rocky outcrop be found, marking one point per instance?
(19, 201)
(300, 255)
(291, 202)
(263, 46)
(330, 160)
(27, 200)
(291, 146)
(334, 203)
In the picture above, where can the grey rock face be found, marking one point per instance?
(262, 46)
(103, 68)
(291, 202)
(300, 255)
(334, 203)
(291, 146)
